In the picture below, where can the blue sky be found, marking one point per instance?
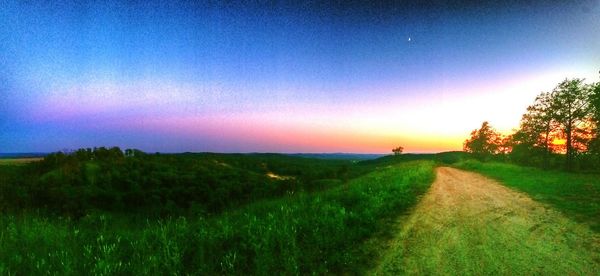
(281, 77)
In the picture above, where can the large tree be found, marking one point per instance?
(483, 142)
(594, 145)
(571, 109)
(537, 129)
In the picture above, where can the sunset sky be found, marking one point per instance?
(281, 77)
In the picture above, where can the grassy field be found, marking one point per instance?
(291, 215)
(320, 232)
(575, 194)
(18, 161)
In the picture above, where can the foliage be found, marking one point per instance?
(571, 109)
(483, 142)
(306, 233)
(560, 126)
(594, 95)
(534, 137)
(162, 184)
(398, 150)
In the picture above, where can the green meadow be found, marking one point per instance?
(325, 230)
(300, 137)
(107, 212)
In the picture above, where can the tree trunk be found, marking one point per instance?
(547, 149)
(569, 146)
(546, 157)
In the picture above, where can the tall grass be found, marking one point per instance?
(575, 194)
(323, 232)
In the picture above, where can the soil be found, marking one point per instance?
(470, 224)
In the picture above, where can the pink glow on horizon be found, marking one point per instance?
(419, 123)
(272, 136)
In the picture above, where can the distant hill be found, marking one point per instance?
(340, 156)
(22, 154)
(448, 157)
(377, 158)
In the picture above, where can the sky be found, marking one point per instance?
(277, 76)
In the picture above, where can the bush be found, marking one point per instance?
(306, 233)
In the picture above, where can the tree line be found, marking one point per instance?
(131, 181)
(560, 129)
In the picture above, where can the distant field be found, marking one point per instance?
(339, 156)
(16, 155)
(17, 161)
(575, 194)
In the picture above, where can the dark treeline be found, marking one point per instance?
(129, 181)
(561, 129)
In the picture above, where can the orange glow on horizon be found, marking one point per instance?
(424, 122)
(281, 136)
(559, 142)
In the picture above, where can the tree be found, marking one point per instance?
(484, 141)
(571, 109)
(505, 145)
(537, 129)
(594, 94)
(398, 150)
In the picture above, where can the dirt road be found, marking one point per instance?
(469, 224)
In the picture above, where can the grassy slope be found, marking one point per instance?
(320, 232)
(576, 195)
(162, 184)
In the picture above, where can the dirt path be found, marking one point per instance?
(469, 224)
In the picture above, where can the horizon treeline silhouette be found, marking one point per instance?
(560, 129)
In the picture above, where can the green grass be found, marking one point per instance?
(576, 195)
(321, 232)
(467, 225)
